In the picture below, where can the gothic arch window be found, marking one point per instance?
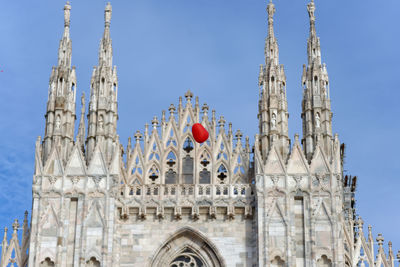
(187, 169)
(153, 174)
(93, 262)
(47, 263)
(187, 258)
(277, 262)
(204, 167)
(222, 173)
(171, 175)
(188, 145)
(188, 162)
(324, 262)
(191, 248)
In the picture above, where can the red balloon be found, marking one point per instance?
(200, 134)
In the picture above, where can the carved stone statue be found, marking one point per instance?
(58, 123)
(101, 123)
(273, 121)
(317, 120)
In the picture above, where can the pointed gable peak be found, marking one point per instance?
(319, 163)
(76, 164)
(53, 165)
(297, 163)
(274, 164)
(97, 164)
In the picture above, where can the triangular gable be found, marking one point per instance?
(75, 165)
(137, 154)
(188, 113)
(276, 212)
(14, 246)
(321, 211)
(50, 220)
(97, 164)
(171, 127)
(154, 140)
(95, 219)
(221, 139)
(319, 164)
(274, 164)
(53, 164)
(297, 163)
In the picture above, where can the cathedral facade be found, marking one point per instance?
(166, 200)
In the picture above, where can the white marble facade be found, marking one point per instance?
(166, 200)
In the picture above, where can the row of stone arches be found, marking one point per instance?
(187, 167)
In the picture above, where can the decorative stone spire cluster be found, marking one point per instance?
(103, 116)
(316, 105)
(273, 114)
(60, 115)
(15, 250)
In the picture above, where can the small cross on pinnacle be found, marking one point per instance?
(137, 136)
(221, 122)
(188, 95)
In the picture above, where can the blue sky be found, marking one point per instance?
(163, 48)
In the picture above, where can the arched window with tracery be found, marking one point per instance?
(187, 259)
(222, 174)
(204, 167)
(188, 162)
(154, 174)
(171, 174)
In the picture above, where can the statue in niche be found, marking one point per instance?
(317, 120)
(273, 121)
(101, 123)
(58, 122)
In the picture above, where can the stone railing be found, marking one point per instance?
(215, 200)
(189, 191)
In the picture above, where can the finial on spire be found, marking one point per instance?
(271, 11)
(67, 14)
(311, 10)
(107, 14)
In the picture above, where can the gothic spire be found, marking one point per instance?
(273, 114)
(314, 48)
(271, 45)
(103, 116)
(60, 115)
(65, 47)
(105, 51)
(316, 107)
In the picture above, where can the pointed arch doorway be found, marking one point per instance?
(187, 248)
